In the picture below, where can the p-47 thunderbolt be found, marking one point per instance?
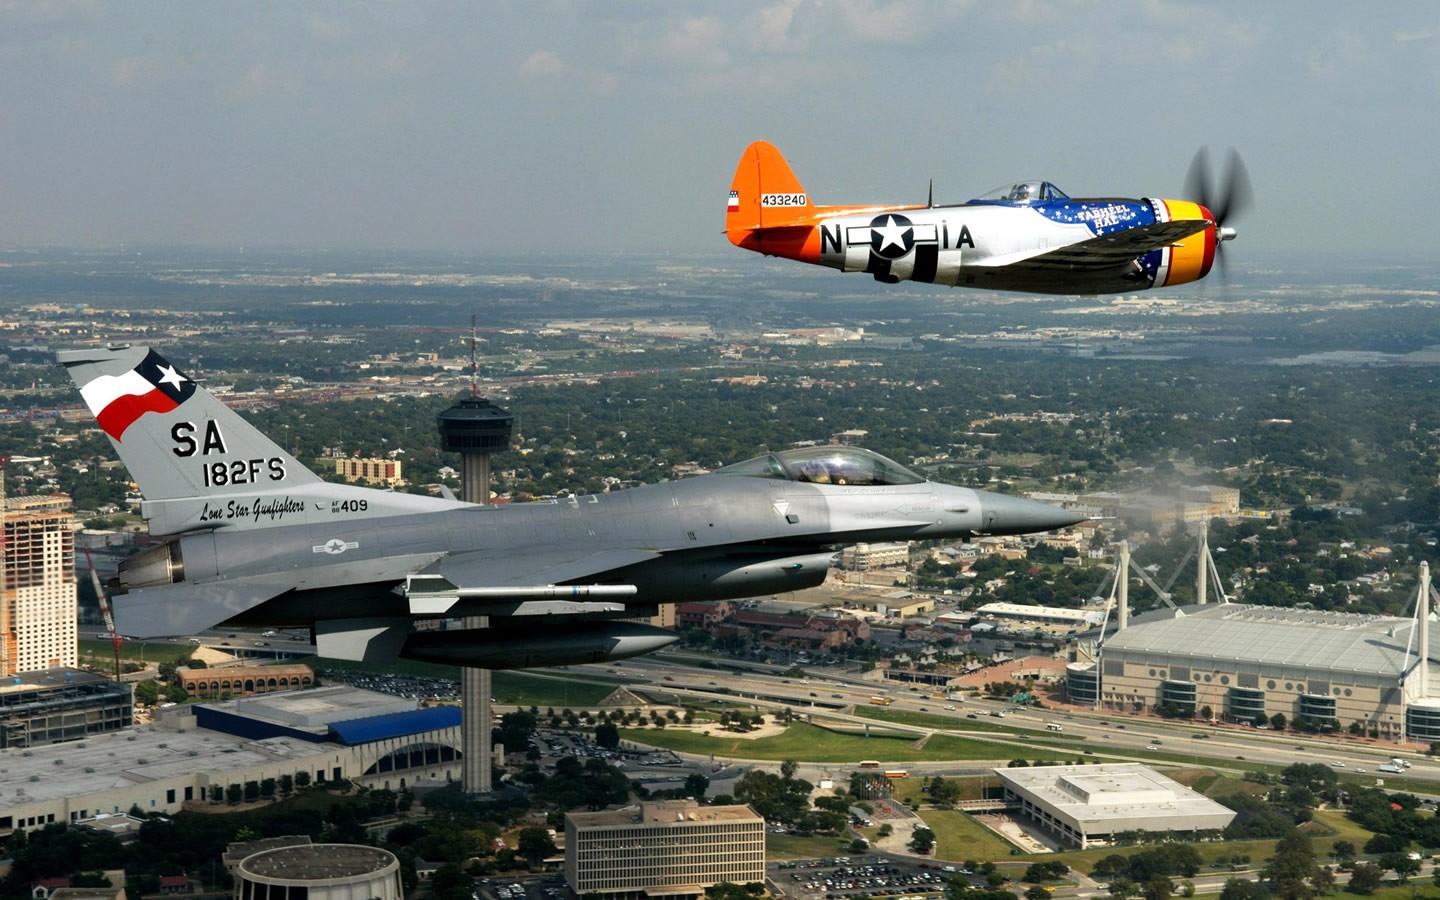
(255, 538)
(1023, 236)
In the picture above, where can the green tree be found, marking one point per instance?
(450, 882)
(607, 735)
(516, 729)
(1243, 889)
(922, 840)
(1400, 863)
(1292, 869)
(535, 844)
(1365, 878)
(1157, 889)
(696, 785)
(944, 791)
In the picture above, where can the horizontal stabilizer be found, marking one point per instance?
(180, 609)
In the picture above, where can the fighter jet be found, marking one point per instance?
(257, 539)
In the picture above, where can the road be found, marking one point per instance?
(826, 691)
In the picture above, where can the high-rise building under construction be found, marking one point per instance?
(37, 590)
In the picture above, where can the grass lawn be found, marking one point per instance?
(1210, 854)
(792, 846)
(798, 742)
(1417, 888)
(929, 720)
(1339, 829)
(101, 654)
(814, 744)
(960, 837)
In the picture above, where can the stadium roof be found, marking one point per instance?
(392, 725)
(1298, 638)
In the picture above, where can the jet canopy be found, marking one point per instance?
(1022, 193)
(825, 465)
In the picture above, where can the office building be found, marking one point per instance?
(1082, 806)
(664, 848)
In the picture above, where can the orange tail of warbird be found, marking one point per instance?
(769, 211)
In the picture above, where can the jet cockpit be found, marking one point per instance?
(831, 464)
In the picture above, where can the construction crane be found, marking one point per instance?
(104, 601)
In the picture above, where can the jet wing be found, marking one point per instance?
(1105, 251)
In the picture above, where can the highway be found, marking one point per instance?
(270, 644)
(833, 694)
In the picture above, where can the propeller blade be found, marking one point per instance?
(1238, 195)
(1231, 197)
(1197, 179)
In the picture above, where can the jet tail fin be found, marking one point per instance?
(175, 438)
(198, 463)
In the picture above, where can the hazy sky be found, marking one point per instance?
(616, 126)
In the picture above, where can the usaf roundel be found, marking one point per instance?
(891, 236)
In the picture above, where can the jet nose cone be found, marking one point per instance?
(1000, 514)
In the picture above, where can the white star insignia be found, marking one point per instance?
(891, 233)
(168, 375)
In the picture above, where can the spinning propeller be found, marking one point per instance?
(1230, 197)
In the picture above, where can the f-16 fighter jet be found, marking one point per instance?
(257, 539)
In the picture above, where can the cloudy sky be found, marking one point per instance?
(616, 126)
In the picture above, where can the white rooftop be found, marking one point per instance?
(317, 707)
(1097, 796)
(139, 755)
(1299, 638)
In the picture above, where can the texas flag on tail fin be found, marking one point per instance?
(152, 386)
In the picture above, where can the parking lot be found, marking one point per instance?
(834, 878)
(549, 887)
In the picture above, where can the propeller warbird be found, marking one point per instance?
(258, 539)
(1026, 236)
